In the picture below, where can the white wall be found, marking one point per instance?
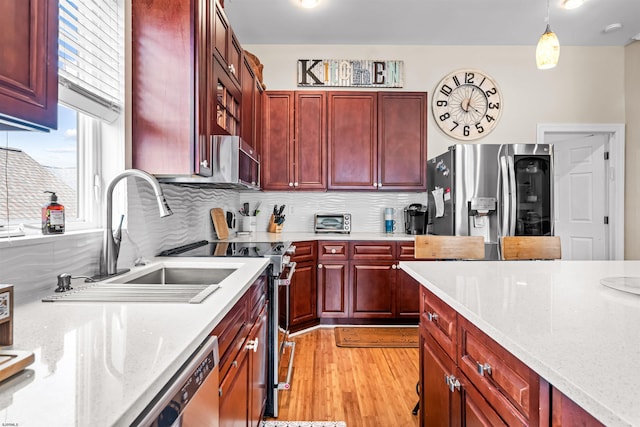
(586, 87)
(632, 178)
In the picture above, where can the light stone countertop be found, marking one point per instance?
(556, 317)
(100, 364)
(304, 236)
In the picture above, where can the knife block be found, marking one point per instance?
(273, 227)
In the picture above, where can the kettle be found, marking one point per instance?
(415, 219)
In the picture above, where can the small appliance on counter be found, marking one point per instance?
(415, 219)
(332, 223)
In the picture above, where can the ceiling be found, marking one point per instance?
(432, 22)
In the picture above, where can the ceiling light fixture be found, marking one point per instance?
(309, 4)
(572, 4)
(548, 49)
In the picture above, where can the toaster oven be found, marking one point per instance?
(332, 223)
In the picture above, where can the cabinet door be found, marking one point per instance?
(310, 157)
(163, 132)
(258, 368)
(248, 108)
(333, 279)
(234, 392)
(352, 141)
(439, 406)
(225, 102)
(565, 412)
(29, 65)
(407, 296)
(402, 141)
(476, 411)
(372, 289)
(277, 141)
(303, 294)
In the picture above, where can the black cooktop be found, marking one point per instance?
(205, 248)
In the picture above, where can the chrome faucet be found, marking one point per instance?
(111, 241)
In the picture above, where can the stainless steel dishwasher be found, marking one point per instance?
(190, 399)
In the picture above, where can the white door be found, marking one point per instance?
(581, 194)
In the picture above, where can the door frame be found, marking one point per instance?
(615, 170)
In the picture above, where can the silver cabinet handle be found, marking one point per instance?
(375, 184)
(204, 163)
(291, 184)
(379, 185)
(319, 266)
(333, 251)
(252, 345)
(452, 382)
(433, 317)
(394, 266)
(232, 69)
(482, 368)
(295, 184)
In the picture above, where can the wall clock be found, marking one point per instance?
(467, 104)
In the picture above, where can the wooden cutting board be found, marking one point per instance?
(13, 361)
(220, 223)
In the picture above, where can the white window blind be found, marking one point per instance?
(90, 56)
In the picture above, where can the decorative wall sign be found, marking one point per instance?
(350, 73)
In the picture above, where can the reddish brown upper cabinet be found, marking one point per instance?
(294, 152)
(377, 141)
(225, 44)
(251, 111)
(169, 84)
(29, 65)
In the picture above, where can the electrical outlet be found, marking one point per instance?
(290, 210)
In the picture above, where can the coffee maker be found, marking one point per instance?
(415, 219)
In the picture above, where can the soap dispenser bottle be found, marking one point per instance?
(53, 216)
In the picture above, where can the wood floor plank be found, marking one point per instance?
(366, 387)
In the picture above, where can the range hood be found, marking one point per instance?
(234, 164)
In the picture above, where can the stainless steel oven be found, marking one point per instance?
(190, 399)
(280, 350)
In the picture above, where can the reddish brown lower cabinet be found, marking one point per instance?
(467, 379)
(303, 310)
(333, 281)
(372, 289)
(242, 339)
(257, 347)
(407, 296)
(565, 412)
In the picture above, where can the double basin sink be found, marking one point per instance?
(161, 283)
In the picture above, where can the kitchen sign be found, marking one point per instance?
(350, 73)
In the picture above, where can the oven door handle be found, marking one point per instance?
(287, 281)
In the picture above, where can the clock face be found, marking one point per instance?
(467, 104)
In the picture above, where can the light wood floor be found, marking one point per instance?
(362, 386)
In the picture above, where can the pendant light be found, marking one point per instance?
(548, 50)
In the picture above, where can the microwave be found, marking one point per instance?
(233, 164)
(332, 223)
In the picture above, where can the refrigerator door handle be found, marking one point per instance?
(505, 214)
(513, 196)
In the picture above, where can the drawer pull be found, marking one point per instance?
(252, 345)
(319, 266)
(483, 368)
(452, 382)
(333, 251)
(433, 317)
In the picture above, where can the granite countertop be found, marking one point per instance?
(556, 317)
(100, 364)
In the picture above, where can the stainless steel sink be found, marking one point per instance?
(164, 284)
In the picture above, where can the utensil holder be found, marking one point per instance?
(273, 227)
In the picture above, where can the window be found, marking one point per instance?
(69, 160)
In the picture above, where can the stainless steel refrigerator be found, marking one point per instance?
(492, 191)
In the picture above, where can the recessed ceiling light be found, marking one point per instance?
(572, 4)
(612, 27)
(309, 4)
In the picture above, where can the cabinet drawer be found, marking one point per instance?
(231, 332)
(305, 251)
(377, 251)
(509, 385)
(257, 297)
(333, 251)
(440, 321)
(405, 251)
